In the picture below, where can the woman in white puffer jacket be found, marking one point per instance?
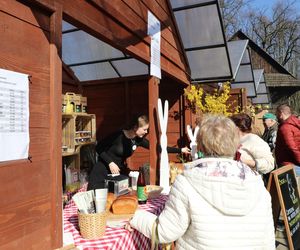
(218, 204)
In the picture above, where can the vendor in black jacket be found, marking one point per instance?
(116, 148)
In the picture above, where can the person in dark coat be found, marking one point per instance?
(271, 126)
(269, 136)
(117, 147)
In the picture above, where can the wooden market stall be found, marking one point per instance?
(32, 37)
(31, 33)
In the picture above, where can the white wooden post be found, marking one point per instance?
(193, 143)
(164, 159)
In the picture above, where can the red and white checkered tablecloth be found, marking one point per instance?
(114, 238)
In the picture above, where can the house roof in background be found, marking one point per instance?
(239, 34)
(281, 80)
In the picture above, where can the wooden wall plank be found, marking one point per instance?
(25, 205)
(28, 15)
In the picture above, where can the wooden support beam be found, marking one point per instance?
(154, 130)
(55, 125)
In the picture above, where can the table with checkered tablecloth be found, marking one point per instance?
(114, 238)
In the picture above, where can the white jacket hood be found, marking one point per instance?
(231, 193)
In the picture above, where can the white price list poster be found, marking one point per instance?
(155, 34)
(14, 115)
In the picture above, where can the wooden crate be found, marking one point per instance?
(77, 130)
(83, 101)
(72, 162)
(79, 102)
(68, 134)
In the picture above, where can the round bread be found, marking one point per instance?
(110, 199)
(125, 205)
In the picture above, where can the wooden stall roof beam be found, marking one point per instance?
(87, 17)
(55, 124)
(153, 127)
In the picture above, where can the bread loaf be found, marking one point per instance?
(110, 199)
(125, 205)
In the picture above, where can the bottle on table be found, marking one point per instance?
(141, 187)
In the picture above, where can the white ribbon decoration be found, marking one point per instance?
(164, 159)
(193, 143)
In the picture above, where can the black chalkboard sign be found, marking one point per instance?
(285, 194)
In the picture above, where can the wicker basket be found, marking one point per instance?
(92, 226)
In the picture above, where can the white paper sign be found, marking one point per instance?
(14, 115)
(155, 34)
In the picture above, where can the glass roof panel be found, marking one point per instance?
(244, 74)
(79, 47)
(261, 99)
(130, 67)
(257, 73)
(246, 57)
(262, 88)
(249, 86)
(208, 63)
(236, 50)
(67, 26)
(185, 3)
(200, 26)
(95, 71)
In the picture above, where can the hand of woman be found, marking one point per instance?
(114, 169)
(248, 161)
(128, 227)
(186, 150)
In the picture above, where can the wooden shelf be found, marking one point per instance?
(75, 127)
(74, 123)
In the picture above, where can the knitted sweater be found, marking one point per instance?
(210, 208)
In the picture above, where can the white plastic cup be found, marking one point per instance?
(101, 193)
(134, 177)
(100, 199)
(134, 183)
(100, 205)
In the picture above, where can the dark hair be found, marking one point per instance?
(138, 121)
(243, 122)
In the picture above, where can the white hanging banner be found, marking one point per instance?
(14, 115)
(155, 34)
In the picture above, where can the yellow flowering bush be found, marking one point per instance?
(249, 110)
(215, 102)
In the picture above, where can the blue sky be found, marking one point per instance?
(265, 4)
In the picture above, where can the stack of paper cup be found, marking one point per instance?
(134, 176)
(100, 199)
